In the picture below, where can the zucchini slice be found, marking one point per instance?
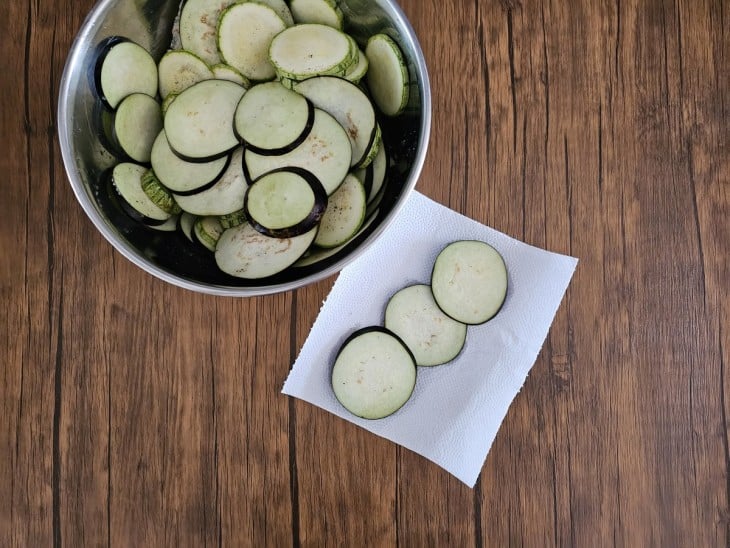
(344, 214)
(180, 69)
(271, 119)
(469, 281)
(285, 202)
(387, 76)
(180, 176)
(159, 195)
(358, 71)
(432, 336)
(325, 12)
(229, 220)
(244, 252)
(198, 24)
(374, 373)
(207, 231)
(198, 123)
(137, 122)
(221, 71)
(224, 196)
(122, 68)
(281, 9)
(350, 107)
(245, 31)
(126, 179)
(325, 153)
(311, 49)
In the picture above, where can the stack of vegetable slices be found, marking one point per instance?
(259, 137)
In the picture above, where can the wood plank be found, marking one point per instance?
(346, 476)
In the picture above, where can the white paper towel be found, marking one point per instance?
(455, 411)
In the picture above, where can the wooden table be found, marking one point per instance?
(137, 414)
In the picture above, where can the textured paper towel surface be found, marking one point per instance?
(455, 411)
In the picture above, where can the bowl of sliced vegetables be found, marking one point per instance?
(244, 148)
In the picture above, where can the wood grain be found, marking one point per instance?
(134, 413)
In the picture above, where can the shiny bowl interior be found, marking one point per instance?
(167, 255)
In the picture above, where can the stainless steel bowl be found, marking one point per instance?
(149, 23)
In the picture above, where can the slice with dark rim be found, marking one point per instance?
(316, 254)
(285, 202)
(344, 214)
(198, 24)
(185, 224)
(168, 226)
(248, 50)
(137, 122)
(469, 281)
(387, 76)
(325, 12)
(126, 179)
(159, 195)
(325, 153)
(123, 67)
(311, 49)
(244, 252)
(207, 231)
(180, 176)
(432, 336)
(374, 373)
(270, 119)
(180, 69)
(350, 107)
(198, 123)
(223, 197)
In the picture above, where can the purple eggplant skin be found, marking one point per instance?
(283, 150)
(306, 224)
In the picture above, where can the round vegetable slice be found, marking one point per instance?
(285, 202)
(374, 373)
(344, 214)
(311, 49)
(124, 67)
(198, 23)
(198, 123)
(469, 281)
(180, 69)
(387, 75)
(325, 12)
(126, 180)
(180, 176)
(248, 51)
(272, 119)
(244, 252)
(137, 123)
(432, 336)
